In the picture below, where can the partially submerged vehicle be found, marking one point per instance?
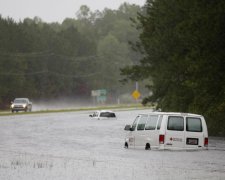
(103, 114)
(163, 130)
(21, 104)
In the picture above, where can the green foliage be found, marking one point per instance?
(40, 60)
(184, 45)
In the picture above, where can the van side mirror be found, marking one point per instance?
(127, 128)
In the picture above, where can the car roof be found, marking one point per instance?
(21, 98)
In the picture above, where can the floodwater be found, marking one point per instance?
(65, 146)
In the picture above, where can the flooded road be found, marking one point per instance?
(71, 145)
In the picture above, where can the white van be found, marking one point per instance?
(163, 130)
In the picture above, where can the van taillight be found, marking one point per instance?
(206, 142)
(161, 139)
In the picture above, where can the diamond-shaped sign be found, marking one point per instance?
(136, 94)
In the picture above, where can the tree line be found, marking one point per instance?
(68, 59)
(176, 47)
(184, 47)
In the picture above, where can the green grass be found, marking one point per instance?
(122, 107)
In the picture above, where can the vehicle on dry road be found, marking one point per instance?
(21, 104)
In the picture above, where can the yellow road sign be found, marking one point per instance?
(136, 94)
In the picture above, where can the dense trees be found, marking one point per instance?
(184, 47)
(180, 43)
(41, 60)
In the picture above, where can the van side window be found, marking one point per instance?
(159, 122)
(151, 122)
(193, 124)
(175, 123)
(134, 123)
(141, 123)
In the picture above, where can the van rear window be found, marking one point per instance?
(175, 123)
(193, 124)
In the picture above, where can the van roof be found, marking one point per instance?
(172, 113)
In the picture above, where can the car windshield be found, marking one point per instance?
(20, 101)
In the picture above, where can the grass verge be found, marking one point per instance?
(122, 107)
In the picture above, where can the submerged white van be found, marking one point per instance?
(163, 130)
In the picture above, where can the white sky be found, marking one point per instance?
(55, 10)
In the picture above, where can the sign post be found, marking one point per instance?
(136, 94)
(99, 95)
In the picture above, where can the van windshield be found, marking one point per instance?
(134, 123)
(141, 123)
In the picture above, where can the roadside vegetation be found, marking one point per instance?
(122, 107)
(174, 48)
(184, 43)
(42, 60)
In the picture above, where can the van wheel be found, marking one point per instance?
(147, 146)
(126, 145)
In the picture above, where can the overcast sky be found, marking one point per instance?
(55, 10)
